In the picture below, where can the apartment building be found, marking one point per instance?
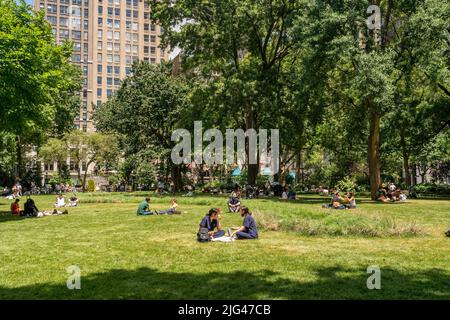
(108, 36)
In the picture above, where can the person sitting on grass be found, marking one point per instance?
(234, 203)
(284, 195)
(15, 208)
(212, 222)
(335, 202)
(351, 201)
(73, 201)
(30, 209)
(249, 229)
(172, 209)
(60, 201)
(382, 195)
(291, 194)
(144, 208)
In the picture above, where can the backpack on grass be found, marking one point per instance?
(203, 235)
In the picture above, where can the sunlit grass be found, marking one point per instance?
(125, 256)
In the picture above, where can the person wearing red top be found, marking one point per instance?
(15, 207)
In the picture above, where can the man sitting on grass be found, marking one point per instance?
(144, 208)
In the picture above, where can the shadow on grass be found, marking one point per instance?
(333, 282)
(6, 216)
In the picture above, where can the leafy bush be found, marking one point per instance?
(346, 185)
(429, 188)
(91, 186)
(113, 180)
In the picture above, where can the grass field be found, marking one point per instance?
(304, 251)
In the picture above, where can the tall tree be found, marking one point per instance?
(35, 76)
(366, 62)
(145, 112)
(239, 46)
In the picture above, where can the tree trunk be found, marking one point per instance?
(176, 178)
(373, 151)
(414, 174)
(407, 179)
(85, 175)
(405, 154)
(19, 159)
(253, 169)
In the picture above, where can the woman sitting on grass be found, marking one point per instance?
(15, 208)
(212, 222)
(249, 229)
(73, 201)
(351, 201)
(60, 201)
(172, 209)
(335, 202)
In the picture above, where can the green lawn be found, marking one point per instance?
(304, 251)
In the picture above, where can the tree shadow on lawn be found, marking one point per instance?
(6, 216)
(335, 282)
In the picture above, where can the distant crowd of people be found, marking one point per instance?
(30, 209)
(390, 193)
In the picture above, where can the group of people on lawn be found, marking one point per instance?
(211, 221)
(390, 193)
(340, 203)
(31, 210)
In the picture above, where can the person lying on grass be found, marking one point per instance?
(53, 212)
(249, 229)
(212, 222)
(144, 208)
(172, 209)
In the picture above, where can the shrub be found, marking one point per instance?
(428, 188)
(91, 186)
(346, 185)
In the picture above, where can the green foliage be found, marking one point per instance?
(433, 189)
(58, 179)
(35, 72)
(145, 112)
(90, 185)
(346, 185)
(113, 180)
(146, 173)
